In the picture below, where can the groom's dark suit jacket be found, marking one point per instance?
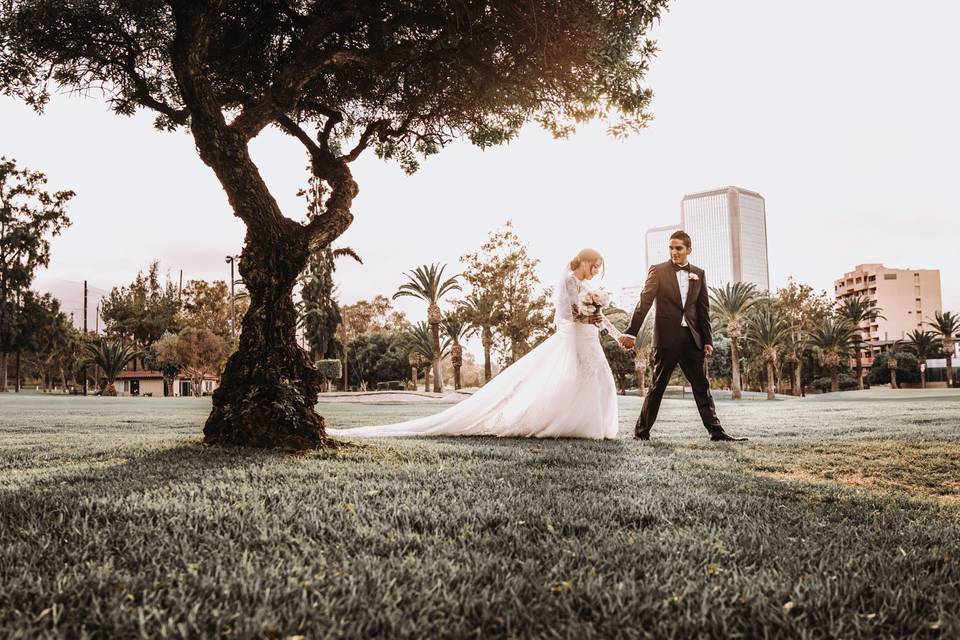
(662, 287)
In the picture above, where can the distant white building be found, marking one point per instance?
(658, 245)
(629, 297)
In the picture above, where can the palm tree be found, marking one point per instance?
(769, 333)
(947, 326)
(427, 283)
(731, 303)
(111, 356)
(833, 340)
(642, 350)
(420, 337)
(480, 310)
(456, 329)
(925, 345)
(859, 309)
(797, 343)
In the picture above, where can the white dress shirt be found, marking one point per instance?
(683, 280)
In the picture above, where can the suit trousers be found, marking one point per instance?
(682, 351)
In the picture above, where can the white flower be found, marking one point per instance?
(692, 276)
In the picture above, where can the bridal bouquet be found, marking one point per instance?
(591, 303)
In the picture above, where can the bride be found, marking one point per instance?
(561, 389)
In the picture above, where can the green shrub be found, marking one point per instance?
(908, 370)
(847, 383)
(330, 369)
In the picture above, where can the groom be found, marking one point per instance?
(681, 335)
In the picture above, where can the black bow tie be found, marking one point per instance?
(677, 267)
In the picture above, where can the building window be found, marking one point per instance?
(889, 276)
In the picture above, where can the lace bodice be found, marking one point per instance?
(566, 301)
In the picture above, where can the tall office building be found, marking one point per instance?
(728, 228)
(729, 231)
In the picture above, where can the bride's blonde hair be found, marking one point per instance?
(589, 256)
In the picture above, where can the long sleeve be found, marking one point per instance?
(647, 298)
(703, 311)
(608, 326)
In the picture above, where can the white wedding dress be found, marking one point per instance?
(561, 389)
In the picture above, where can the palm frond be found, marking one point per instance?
(426, 282)
(731, 302)
(420, 339)
(945, 323)
(457, 328)
(346, 252)
(111, 355)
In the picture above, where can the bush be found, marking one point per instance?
(330, 369)
(391, 385)
(847, 382)
(907, 369)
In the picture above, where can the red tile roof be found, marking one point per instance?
(142, 374)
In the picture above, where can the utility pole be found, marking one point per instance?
(96, 319)
(180, 290)
(233, 313)
(84, 333)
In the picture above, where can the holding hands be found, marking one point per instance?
(627, 342)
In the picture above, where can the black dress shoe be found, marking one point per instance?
(641, 435)
(722, 436)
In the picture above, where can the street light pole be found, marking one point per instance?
(233, 313)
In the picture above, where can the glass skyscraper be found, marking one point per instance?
(728, 228)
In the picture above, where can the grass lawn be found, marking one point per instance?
(840, 518)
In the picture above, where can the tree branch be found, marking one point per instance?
(297, 132)
(368, 133)
(304, 65)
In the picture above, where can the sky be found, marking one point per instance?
(841, 114)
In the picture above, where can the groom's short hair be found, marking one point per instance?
(683, 237)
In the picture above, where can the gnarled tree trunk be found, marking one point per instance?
(269, 387)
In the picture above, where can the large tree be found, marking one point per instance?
(206, 305)
(859, 310)
(319, 311)
(804, 310)
(731, 304)
(946, 325)
(340, 77)
(503, 272)
(768, 333)
(427, 284)
(29, 215)
(144, 310)
(480, 309)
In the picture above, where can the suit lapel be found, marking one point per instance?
(693, 289)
